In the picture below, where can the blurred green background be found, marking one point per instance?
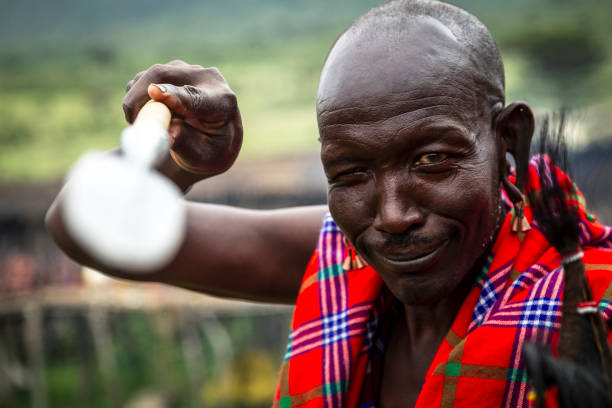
(63, 69)
(64, 65)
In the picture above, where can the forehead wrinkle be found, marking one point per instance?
(443, 125)
(371, 115)
(432, 131)
(455, 76)
(386, 125)
(325, 111)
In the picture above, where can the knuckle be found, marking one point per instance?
(156, 71)
(230, 102)
(133, 81)
(195, 97)
(214, 72)
(128, 110)
(192, 91)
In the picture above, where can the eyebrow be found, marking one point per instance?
(422, 131)
(428, 134)
(442, 133)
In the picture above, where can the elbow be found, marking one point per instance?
(56, 229)
(54, 225)
(50, 221)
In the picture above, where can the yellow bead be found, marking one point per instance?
(532, 396)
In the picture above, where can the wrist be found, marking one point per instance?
(183, 179)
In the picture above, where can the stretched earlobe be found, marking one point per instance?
(515, 126)
(519, 222)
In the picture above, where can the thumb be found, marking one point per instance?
(171, 96)
(191, 102)
(156, 92)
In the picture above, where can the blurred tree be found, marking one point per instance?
(101, 54)
(563, 50)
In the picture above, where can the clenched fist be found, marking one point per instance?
(206, 129)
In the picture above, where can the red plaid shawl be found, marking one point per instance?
(516, 299)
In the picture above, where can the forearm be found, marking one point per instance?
(57, 219)
(231, 252)
(248, 254)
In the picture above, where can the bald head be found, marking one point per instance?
(441, 43)
(466, 28)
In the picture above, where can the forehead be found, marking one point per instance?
(379, 71)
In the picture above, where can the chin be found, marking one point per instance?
(420, 294)
(431, 286)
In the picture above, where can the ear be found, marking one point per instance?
(514, 126)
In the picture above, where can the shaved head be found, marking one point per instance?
(398, 22)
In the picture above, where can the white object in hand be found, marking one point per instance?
(125, 214)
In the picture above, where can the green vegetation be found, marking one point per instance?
(147, 355)
(63, 69)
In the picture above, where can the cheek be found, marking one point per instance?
(468, 198)
(477, 204)
(350, 209)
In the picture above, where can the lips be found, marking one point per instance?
(415, 260)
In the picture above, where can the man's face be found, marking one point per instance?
(411, 159)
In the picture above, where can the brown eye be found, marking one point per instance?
(432, 158)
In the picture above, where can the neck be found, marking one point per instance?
(431, 322)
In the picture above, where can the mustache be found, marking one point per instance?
(410, 239)
(400, 241)
(404, 240)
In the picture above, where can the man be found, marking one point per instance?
(414, 134)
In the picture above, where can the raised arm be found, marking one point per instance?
(247, 254)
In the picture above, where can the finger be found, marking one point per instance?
(174, 130)
(199, 152)
(194, 102)
(159, 92)
(131, 83)
(134, 100)
(156, 92)
(137, 95)
(178, 62)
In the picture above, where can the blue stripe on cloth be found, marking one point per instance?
(288, 350)
(335, 327)
(488, 294)
(371, 327)
(540, 313)
(333, 305)
(329, 225)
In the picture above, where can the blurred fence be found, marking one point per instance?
(117, 344)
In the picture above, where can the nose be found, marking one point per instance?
(397, 212)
